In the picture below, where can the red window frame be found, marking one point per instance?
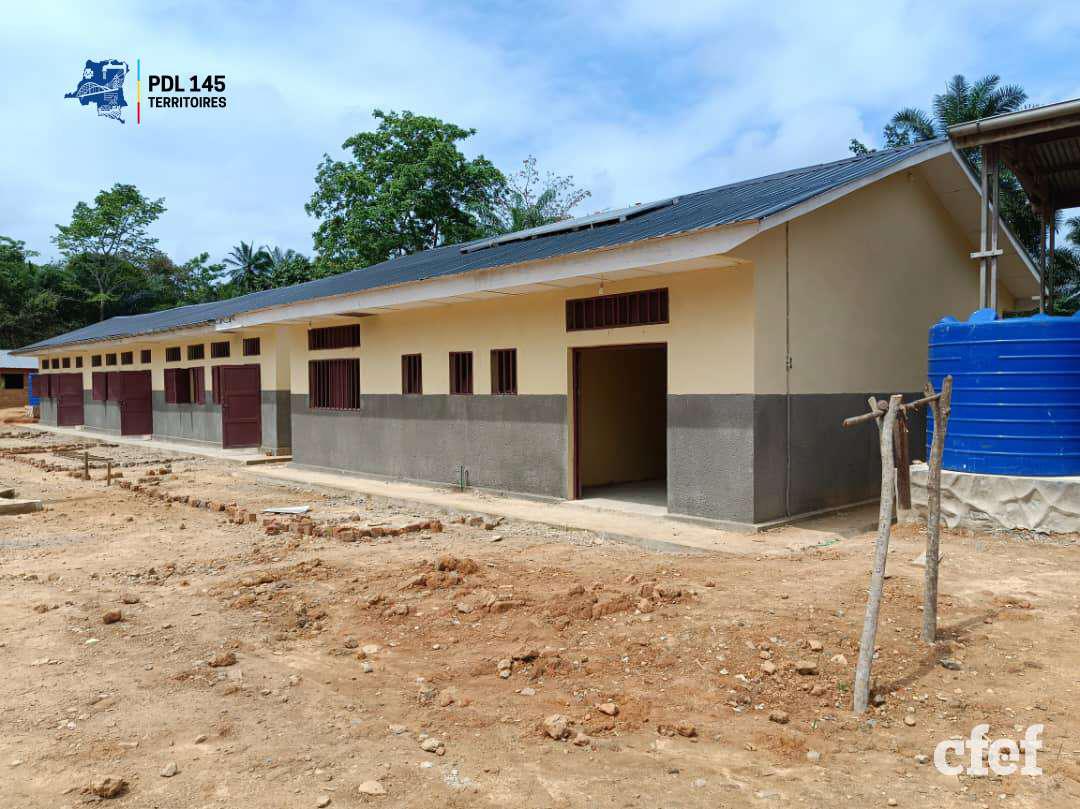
(461, 373)
(412, 373)
(220, 350)
(504, 371)
(648, 307)
(328, 337)
(334, 384)
(252, 346)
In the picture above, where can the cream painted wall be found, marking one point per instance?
(273, 359)
(710, 337)
(869, 274)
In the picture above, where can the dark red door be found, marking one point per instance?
(136, 404)
(241, 400)
(67, 388)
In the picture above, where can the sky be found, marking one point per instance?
(637, 100)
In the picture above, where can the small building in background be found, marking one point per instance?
(15, 379)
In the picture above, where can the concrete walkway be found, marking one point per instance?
(642, 527)
(242, 456)
(651, 532)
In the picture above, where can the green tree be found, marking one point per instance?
(407, 187)
(965, 101)
(288, 267)
(961, 102)
(28, 303)
(107, 245)
(249, 265)
(172, 284)
(531, 200)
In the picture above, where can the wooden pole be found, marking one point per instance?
(942, 408)
(881, 553)
(903, 465)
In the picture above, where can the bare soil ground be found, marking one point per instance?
(351, 658)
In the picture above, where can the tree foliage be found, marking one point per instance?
(107, 244)
(965, 101)
(407, 187)
(530, 199)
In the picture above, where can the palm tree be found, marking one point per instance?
(1072, 236)
(249, 265)
(961, 102)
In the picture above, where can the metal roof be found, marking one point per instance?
(1041, 146)
(9, 360)
(743, 201)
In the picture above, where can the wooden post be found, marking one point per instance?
(86, 466)
(902, 453)
(933, 508)
(881, 553)
(108, 474)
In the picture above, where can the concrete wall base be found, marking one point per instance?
(1001, 502)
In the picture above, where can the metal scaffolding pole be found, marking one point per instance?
(1042, 260)
(1050, 259)
(995, 223)
(982, 234)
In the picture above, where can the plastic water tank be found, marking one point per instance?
(1016, 393)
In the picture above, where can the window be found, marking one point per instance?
(127, 358)
(461, 372)
(172, 354)
(95, 361)
(196, 352)
(43, 365)
(13, 381)
(78, 361)
(219, 350)
(251, 346)
(412, 373)
(144, 356)
(99, 386)
(334, 384)
(646, 308)
(185, 385)
(66, 362)
(55, 363)
(504, 371)
(333, 337)
(110, 359)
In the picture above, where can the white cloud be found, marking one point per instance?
(637, 101)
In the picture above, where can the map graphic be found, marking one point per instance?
(102, 84)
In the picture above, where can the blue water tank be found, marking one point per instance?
(32, 396)
(1016, 393)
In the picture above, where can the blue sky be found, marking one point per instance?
(637, 100)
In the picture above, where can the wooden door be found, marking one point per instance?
(241, 406)
(136, 403)
(68, 390)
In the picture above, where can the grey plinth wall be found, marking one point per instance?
(730, 456)
(47, 411)
(509, 443)
(103, 416)
(200, 423)
(276, 421)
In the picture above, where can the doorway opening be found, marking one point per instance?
(620, 426)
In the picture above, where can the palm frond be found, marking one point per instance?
(916, 122)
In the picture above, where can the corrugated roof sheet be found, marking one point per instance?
(727, 204)
(9, 360)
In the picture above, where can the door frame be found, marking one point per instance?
(575, 392)
(223, 372)
(75, 378)
(123, 398)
